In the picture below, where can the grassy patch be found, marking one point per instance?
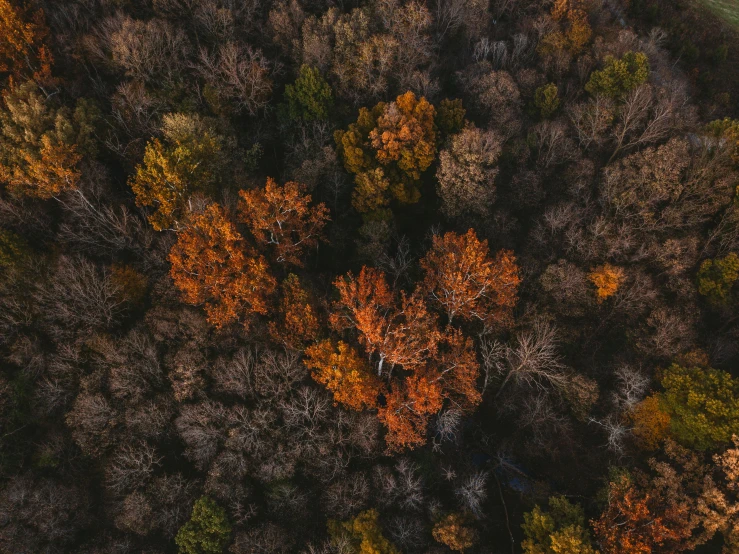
(728, 10)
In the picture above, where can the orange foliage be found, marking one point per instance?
(45, 176)
(364, 304)
(401, 336)
(406, 412)
(606, 278)
(459, 370)
(399, 331)
(281, 216)
(344, 373)
(211, 265)
(455, 532)
(405, 134)
(577, 32)
(22, 53)
(651, 424)
(634, 522)
(461, 276)
(297, 323)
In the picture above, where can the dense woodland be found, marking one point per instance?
(368, 276)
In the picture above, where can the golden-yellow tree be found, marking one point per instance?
(281, 217)
(187, 161)
(212, 265)
(462, 277)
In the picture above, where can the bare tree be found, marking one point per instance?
(131, 467)
(239, 74)
(472, 493)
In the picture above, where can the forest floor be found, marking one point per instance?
(728, 10)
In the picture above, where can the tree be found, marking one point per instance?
(211, 265)
(188, 161)
(13, 249)
(560, 529)
(281, 216)
(467, 171)
(238, 78)
(546, 98)
(208, 530)
(651, 424)
(363, 533)
(727, 129)
(634, 522)
(41, 145)
(296, 322)
(407, 409)
(454, 531)
(450, 116)
(310, 97)
(607, 279)
(22, 52)
(348, 376)
(703, 404)
(619, 76)
(461, 276)
(458, 370)
(401, 335)
(716, 278)
(400, 139)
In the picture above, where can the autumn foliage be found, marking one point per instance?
(461, 276)
(635, 522)
(454, 531)
(281, 218)
(184, 163)
(23, 54)
(342, 371)
(607, 279)
(387, 149)
(211, 265)
(423, 366)
(650, 422)
(296, 322)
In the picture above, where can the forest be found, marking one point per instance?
(368, 277)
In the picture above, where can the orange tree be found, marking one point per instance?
(422, 367)
(22, 52)
(636, 521)
(461, 276)
(295, 322)
(281, 217)
(607, 280)
(387, 149)
(340, 368)
(212, 266)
